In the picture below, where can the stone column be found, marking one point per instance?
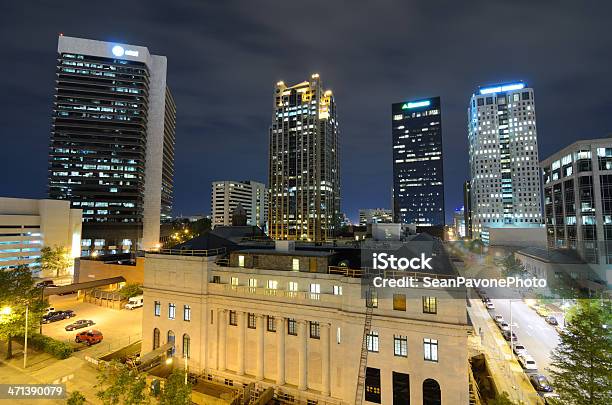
(303, 356)
(260, 347)
(281, 330)
(222, 325)
(241, 341)
(325, 381)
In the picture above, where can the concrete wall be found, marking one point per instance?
(91, 270)
(518, 237)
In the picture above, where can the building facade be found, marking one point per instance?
(251, 195)
(26, 226)
(112, 142)
(304, 171)
(503, 148)
(375, 216)
(467, 209)
(289, 320)
(418, 169)
(578, 199)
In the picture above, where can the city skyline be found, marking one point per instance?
(365, 130)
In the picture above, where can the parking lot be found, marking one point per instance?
(119, 327)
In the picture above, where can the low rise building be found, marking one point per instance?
(370, 216)
(294, 319)
(28, 225)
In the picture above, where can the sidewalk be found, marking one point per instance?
(507, 373)
(45, 369)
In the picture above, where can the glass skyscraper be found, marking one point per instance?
(418, 170)
(503, 148)
(304, 173)
(112, 142)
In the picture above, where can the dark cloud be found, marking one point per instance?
(225, 56)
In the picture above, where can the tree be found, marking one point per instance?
(503, 399)
(18, 291)
(512, 267)
(131, 290)
(55, 261)
(581, 366)
(175, 391)
(76, 398)
(120, 384)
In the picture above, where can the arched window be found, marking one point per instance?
(431, 392)
(171, 340)
(155, 338)
(186, 346)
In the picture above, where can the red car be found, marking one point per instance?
(91, 337)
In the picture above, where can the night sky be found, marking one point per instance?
(224, 58)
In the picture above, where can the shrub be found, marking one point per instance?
(131, 290)
(56, 348)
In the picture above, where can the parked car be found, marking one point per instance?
(484, 298)
(543, 311)
(46, 283)
(552, 320)
(540, 383)
(527, 362)
(69, 313)
(506, 335)
(90, 337)
(81, 323)
(53, 316)
(49, 310)
(519, 349)
(490, 305)
(135, 302)
(504, 326)
(498, 318)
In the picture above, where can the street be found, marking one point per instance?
(532, 331)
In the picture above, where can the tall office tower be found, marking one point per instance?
(503, 147)
(112, 142)
(375, 216)
(578, 199)
(418, 173)
(251, 195)
(467, 209)
(304, 173)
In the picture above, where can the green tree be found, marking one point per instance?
(76, 398)
(131, 290)
(120, 384)
(55, 261)
(581, 366)
(511, 267)
(18, 291)
(503, 399)
(176, 391)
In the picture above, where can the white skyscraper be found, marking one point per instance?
(251, 195)
(503, 149)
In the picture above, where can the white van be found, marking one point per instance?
(134, 302)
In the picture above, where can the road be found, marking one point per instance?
(532, 331)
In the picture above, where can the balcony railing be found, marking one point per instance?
(190, 252)
(243, 290)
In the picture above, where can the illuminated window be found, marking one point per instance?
(240, 261)
(295, 265)
(430, 305)
(399, 302)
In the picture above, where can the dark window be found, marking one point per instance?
(155, 338)
(186, 346)
(216, 279)
(292, 327)
(401, 389)
(525, 95)
(400, 345)
(481, 101)
(431, 392)
(430, 305)
(252, 324)
(232, 318)
(171, 311)
(372, 385)
(315, 330)
(271, 324)
(157, 308)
